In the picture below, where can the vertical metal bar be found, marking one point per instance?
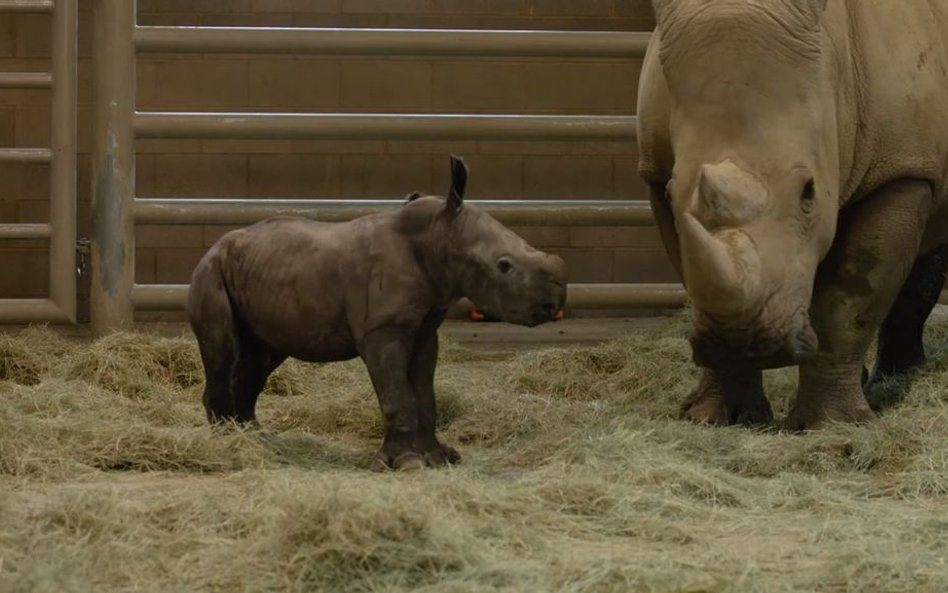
(62, 198)
(113, 166)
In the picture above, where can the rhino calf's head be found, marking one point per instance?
(487, 262)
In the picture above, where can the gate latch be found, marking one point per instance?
(83, 251)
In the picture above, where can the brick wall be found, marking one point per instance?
(196, 168)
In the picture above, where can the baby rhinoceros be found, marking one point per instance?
(377, 287)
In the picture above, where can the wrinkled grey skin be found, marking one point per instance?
(797, 153)
(377, 287)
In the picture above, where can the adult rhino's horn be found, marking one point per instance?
(715, 279)
(458, 184)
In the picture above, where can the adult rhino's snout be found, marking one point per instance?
(761, 347)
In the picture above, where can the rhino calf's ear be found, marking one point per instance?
(458, 184)
(413, 196)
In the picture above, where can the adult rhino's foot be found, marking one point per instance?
(813, 415)
(829, 392)
(413, 455)
(726, 397)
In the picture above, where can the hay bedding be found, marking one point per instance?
(576, 478)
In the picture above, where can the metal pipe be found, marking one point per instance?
(392, 42)
(113, 167)
(25, 155)
(25, 80)
(383, 126)
(31, 311)
(26, 5)
(509, 212)
(172, 297)
(64, 54)
(25, 231)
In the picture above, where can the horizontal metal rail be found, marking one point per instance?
(25, 155)
(392, 42)
(25, 80)
(173, 297)
(510, 212)
(26, 5)
(25, 231)
(32, 311)
(383, 126)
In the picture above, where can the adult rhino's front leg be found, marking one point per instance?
(728, 396)
(876, 245)
(724, 396)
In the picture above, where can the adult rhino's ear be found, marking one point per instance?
(458, 184)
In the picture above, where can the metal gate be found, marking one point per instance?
(60, 231)
(117, 124)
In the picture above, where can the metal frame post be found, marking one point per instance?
(113, 166)
(62, 202)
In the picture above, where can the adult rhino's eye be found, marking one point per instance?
(504, 265)
(808, 197)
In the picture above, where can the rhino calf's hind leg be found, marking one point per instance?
(856, 287)
(728, 396)
(900, 348)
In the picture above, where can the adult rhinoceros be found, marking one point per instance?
(796, 152)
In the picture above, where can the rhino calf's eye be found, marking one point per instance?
(504, 265)
(808, 197)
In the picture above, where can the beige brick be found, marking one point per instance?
(305, 82)
(250, 19)
(145, 176)
(202, 175)
(625, 82)
(35, 182)
(640, 9)
(385, 176)
(338, 147)
(576, 177)
(214, 232)
(587, 265)
(265, 6)
(386, 6)
(352, 20)
(603, 148)
(11, 176)
(167, 146)
(26, 272)
(32, 126)
(491, 177)
(169, 236)
(145, 266)
(478, 86)
(212, 83)
(294, 176)
(169, 19)
(523, 148)
(385, 84)
(7, 35)
(491, 7)
(194, 6)
(246, 146)
(643, 266)
(628, 184)
(570, 87)
(174, 266)
(33, 211)
(9, 212)
(571, 7)
(433, 148)
(7, 126)
(628, 237)
(544, 237)
(33, 35)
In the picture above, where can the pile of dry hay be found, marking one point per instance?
(577, 477)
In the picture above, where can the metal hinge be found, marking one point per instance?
(83, 251)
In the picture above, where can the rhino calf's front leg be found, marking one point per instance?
(421, 375)
(856, 286)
